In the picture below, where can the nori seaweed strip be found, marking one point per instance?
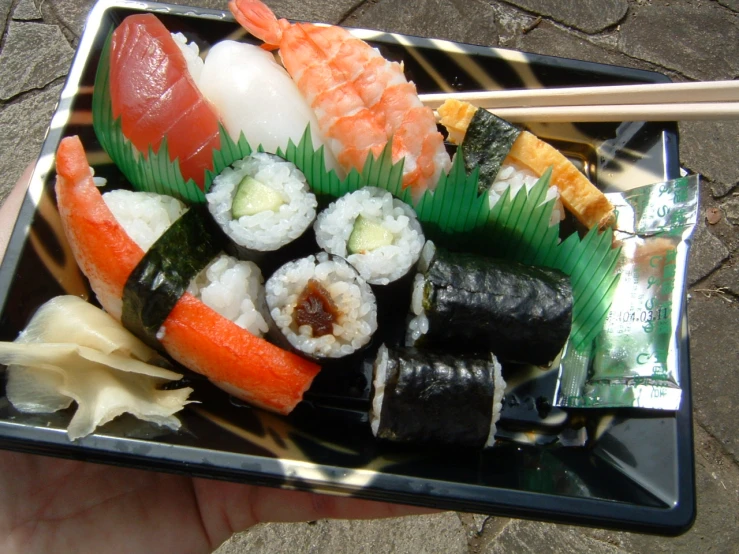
(486, 143)
(520, 313)
(164, 273)
(436, 397)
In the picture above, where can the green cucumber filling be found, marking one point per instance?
(253, 197)
(368, 235)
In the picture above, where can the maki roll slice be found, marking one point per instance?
(467, 302)
(321, 306)
(433, 397)
(376, 233)
(262, 203)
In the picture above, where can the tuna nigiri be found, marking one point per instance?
(193, 334)
(154, 94)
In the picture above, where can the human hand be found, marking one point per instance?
(56, 505)
(11, 205)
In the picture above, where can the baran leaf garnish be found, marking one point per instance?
(455, 215)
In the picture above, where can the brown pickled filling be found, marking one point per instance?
(316, 308)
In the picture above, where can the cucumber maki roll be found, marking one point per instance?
(321, 306)
(376, 233)
(432, 397)
(262, 202)
(467, 302)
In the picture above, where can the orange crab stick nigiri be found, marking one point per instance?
(193, 334)
(155, 96)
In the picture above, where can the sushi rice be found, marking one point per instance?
(419, 324)
(231, 287)
(234, 289)
(269, 229)
(382, 265)
(356, 305)
(378, 386)
(498, 394)
(144, 215)
(192, 55)
(514, 177)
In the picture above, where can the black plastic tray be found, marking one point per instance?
(637, 474)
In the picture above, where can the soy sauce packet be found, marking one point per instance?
(635, 360)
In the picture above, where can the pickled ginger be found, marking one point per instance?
(72, 351)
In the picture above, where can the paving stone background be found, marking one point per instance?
(685, 39)
(589, 17)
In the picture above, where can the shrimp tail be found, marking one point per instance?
(258, 19)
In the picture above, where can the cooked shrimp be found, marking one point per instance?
(361, 100)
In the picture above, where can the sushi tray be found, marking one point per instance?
(455, 389)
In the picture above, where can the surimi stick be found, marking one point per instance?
(193, 334)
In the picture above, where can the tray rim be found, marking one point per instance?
(672, 520)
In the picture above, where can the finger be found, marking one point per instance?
(227, 508)
(11, 206)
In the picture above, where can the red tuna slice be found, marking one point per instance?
(193, 334)
(153, 93)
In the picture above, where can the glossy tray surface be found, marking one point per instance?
(636, 472)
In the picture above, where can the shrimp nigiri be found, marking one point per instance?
(193, 334)
(361, 99)
(154, 94)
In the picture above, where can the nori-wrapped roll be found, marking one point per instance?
(321, 307)
(264, 205)
(432, 397)
(465, 302)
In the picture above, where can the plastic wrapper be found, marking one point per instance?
(633, 362)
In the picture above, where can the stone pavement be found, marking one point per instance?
(685, 39)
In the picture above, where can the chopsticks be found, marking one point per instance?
(653, 102)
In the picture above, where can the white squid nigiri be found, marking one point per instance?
(254, 94)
